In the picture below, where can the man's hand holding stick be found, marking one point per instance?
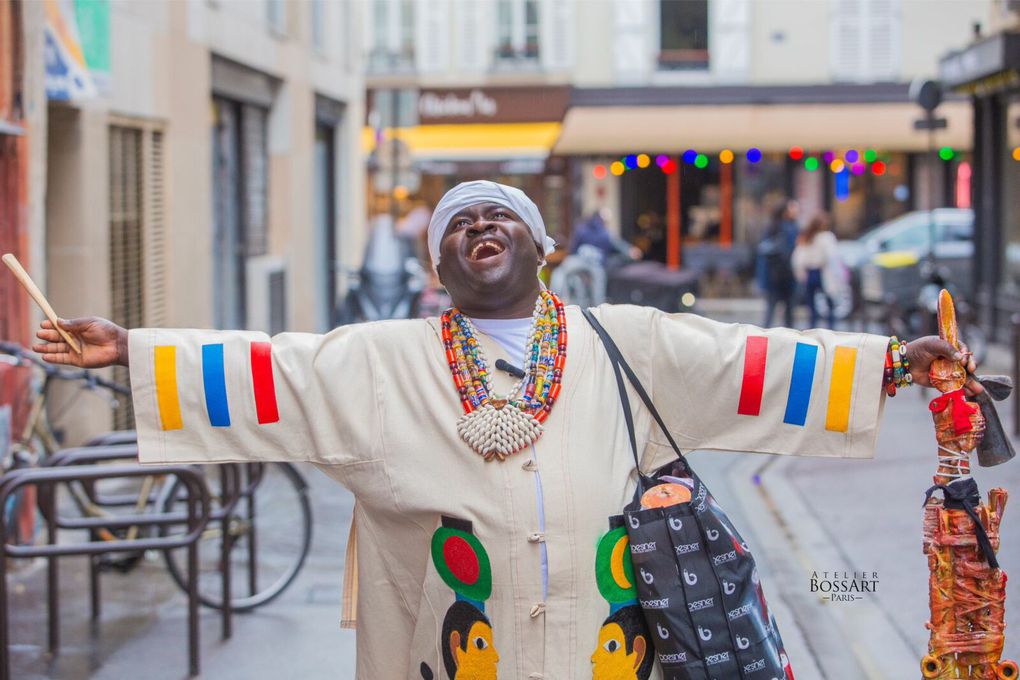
(89, 342)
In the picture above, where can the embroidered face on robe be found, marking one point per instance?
(468, 651)
(622, 652)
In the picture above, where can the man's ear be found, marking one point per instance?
(439, 274)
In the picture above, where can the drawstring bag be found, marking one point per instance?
(696, 580)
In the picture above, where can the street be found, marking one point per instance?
(802, 517)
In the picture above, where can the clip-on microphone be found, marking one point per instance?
(509, 368)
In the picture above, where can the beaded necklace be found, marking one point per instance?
(493, 426)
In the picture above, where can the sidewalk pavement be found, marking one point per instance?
(143, 629)
(807, 515)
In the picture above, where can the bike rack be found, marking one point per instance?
(230, 488)
(90, 455)
(114, 438)
(46, 479)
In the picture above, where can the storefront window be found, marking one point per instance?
(1010, 196)
(760, 189)
(875, 196)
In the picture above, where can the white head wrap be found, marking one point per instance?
(467, 194)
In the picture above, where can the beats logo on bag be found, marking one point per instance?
(663, 633)
(704, 633)
(690, 578)
(728, 587)
(647, 576)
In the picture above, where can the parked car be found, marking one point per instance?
(886, 261)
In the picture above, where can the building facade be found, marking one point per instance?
(200, 163)
(758, 101)
(768, 99)
(987, 71)
(468, 90)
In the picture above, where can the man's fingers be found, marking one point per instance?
(51, 348)
(49, 335)
(970, 364)
(75, 325)
(942, 348)
(972, 387)
(64, 358)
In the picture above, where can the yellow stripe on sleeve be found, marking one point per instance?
(837, 417)
(166, 387)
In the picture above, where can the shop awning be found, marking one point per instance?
(989, 65)
(888, 126)
(497, 141)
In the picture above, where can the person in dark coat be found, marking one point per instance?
(774, 270)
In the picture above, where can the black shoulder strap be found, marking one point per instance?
(616, 357)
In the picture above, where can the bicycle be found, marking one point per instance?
(253, 520)
(918, 317)
(37, 440)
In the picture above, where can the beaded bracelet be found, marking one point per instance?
(897, 367)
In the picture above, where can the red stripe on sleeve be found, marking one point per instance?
(262, 382)
(755, 349)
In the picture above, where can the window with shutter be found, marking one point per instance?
(882, 40)
(557, 34)
(517, 31)
(136, 236)
(433, 37)
(255, 179)
(472, 33)
(154, 242)
(865, 40)
(633, 27)
(392, 46)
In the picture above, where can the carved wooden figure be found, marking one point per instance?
(967, 589)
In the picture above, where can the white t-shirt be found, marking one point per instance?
(814, 255)
(511, 334)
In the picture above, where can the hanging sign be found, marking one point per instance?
(67, 75)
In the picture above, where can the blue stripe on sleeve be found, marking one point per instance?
(215, 385)
(801, 380)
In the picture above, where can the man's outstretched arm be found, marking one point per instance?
(739, 387)
(203, 396)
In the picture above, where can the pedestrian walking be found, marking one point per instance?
(485, 462)
(774, 266)
(816, 266)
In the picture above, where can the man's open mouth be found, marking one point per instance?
(486, 249)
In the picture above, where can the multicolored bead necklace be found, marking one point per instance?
(497, 427)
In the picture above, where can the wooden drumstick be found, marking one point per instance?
(40, 299)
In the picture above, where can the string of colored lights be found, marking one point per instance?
(851, 161)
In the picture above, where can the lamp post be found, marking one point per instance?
(928, 95)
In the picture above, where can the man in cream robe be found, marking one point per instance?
(375, 408)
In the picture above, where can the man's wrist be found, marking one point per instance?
(122, 346)
(897, 367)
